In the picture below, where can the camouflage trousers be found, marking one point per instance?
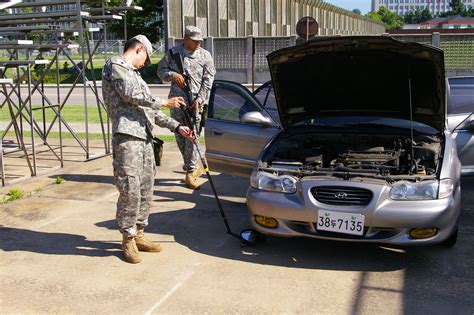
(186, 147)
(134, 173)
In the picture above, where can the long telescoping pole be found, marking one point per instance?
(187, 118)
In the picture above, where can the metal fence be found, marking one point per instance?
(233, 57)
(458, 50)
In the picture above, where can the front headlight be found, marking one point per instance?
(446, 188)
(427, 190)
(405, 190)
(269, 182)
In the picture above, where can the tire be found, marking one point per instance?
(451, 241)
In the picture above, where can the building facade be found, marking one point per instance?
(403, 6)
(241, 18)
(457, 22)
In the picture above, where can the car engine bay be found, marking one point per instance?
(384, 156)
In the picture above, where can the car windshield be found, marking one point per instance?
(461, 95)
(370, 121)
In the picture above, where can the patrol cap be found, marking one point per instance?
(146, 43)
(193, 32)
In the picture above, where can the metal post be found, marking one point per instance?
(166, 30)
(125, 26)
(59, 109)
(109, 140)
(43, 110)
(210, 45)
(171, 42)
(30, 107)
(84, 78)
(436, 39)
(250, 61)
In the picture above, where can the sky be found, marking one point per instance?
(362, 5)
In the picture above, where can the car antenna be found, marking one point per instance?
(411, 121)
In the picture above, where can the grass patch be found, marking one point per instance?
(71, 113)
(58, 180)
(15, 194)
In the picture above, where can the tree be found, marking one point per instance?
(470, 12)
(357, 11)
(389, 18)
(425, 15)
(417, 16)
(409, 17)
(457, 7)
(142, 22)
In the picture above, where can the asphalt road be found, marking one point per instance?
(60, 253)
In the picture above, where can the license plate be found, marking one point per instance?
(340, 222)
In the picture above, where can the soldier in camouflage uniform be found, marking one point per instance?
(133, 110)
(199, 66)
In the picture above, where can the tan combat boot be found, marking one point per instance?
(191, 178)
(130, 250)
(145, 245)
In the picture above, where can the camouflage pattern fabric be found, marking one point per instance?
(134, 172)
(133, 110)
(200, 67)
(186, 147)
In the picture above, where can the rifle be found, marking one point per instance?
(178, 59)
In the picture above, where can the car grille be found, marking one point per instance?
(342, 196)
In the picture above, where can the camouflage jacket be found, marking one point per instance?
(200, 67)
(131, 107)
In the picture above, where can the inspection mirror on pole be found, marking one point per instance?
(306, 28)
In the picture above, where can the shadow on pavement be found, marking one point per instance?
(201, 229)
(14, 239)
(86, 178)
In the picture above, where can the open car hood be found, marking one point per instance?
(359, 75)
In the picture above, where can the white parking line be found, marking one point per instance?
(170, 292)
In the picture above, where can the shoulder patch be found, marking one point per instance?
(120, 62)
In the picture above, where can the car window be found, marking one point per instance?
(262, 92)
(461, 96)
(230, 105)
(266, 96)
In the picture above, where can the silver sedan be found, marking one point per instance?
(338, 149)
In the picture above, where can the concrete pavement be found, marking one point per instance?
(60, 253)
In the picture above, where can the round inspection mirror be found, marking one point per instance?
(249, 236)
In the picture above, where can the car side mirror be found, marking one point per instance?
(256, 118)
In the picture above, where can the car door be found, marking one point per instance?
(461, 119)
(233, 143)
